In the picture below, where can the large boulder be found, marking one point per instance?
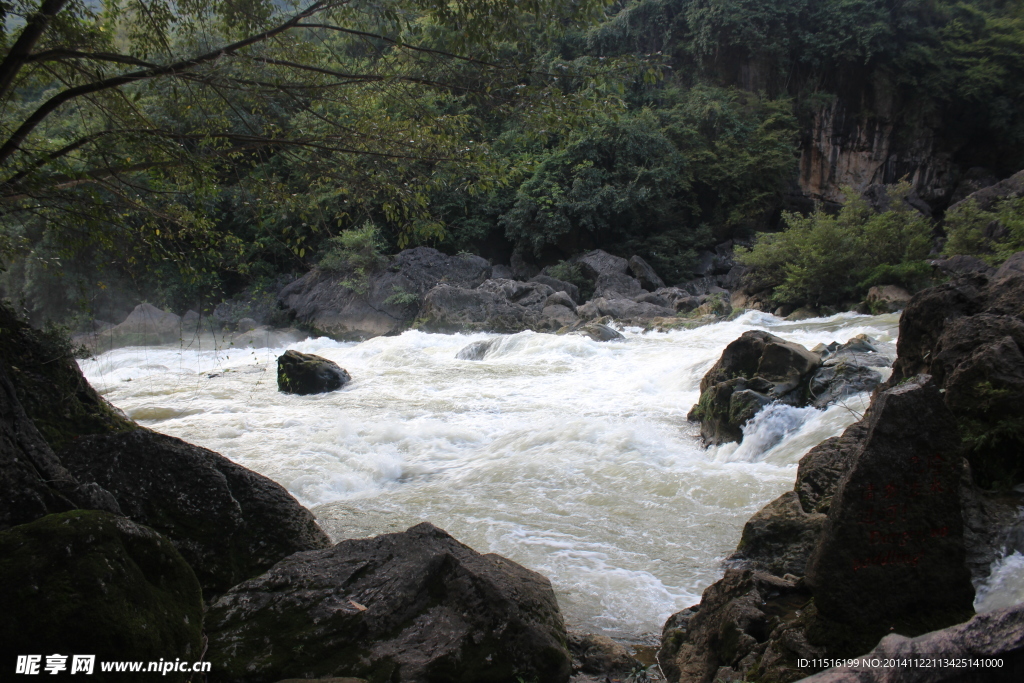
(412, 606)
(598, 262)
(558, 285)
(886, 299)
(780, 537)
(304, 374)
(745, 619)
(891, 555)
(50, 386)
(228, 522)
(89, 582)
(969, 335)
(628, 311)
(616, 286)
(348, 306)
(505, 306)
(643, 272)
(820, 470)
(754, 370)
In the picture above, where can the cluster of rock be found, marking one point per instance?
(760, 368)
(148, 325)
(886, 530)
(441, 293)
(124, 543)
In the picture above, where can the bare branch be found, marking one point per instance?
(34, 29)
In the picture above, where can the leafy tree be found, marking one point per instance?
(992, 234)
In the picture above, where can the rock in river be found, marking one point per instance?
(304, 373)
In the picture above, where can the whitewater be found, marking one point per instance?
(569, 456)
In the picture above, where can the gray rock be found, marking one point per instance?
(229, 523)
(623, 310)
(838, 380)
(477, 350)
(304, 374)
(616, 286)
(502, 272)
(146, 325)
(597, 655)
(887, 299)
(246, 325)
(962, 264)
(820, 470)
(532, 294)
(485, 309)
(413, 606)
(385, 301)
(599, 332)
(560, 299)
(559, 286)
(643, 272)
(521, 269)
(596, 263)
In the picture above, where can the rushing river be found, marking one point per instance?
(571, 457)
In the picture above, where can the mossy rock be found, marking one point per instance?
(51, 387)
(89, 582)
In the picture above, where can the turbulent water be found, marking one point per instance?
(571, 457)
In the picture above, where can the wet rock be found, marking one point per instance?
(820, 470)
(993, 635)
(346, 305)
(835, 382)
(304, 374)
(89, 582)
(477, 350)
(780, 537)
(412, 606)
(228, 522)
(596, 655)
(598, 262)
(559, 286)
(802, 313)
(597, 331)
(738, 619)
(643, 272)
(754, 370)
(892, 554)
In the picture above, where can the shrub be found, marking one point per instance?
(993, 235)
(355, 253)
(825, 259)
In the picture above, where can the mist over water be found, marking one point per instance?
(571, 457)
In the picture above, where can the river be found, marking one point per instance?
(572, 457)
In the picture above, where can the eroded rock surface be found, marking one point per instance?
(413, 606)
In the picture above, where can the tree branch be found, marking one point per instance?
(34, 29)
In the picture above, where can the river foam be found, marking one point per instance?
(571, 457)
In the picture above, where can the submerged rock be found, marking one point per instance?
(304, 374)
(412, 606)
(477, 350)
(89, 582)
(228, 522)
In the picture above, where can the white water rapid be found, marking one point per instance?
(571, 457)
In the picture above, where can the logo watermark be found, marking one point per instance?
(36, 665)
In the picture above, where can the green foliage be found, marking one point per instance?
(994, 234)
(653, 181)
(824, 259)
(356, 253)
(401, 297)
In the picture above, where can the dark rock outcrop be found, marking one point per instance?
(598, 262)
(744, 619)
(993, 635)
(616, 286)
(643, 272)
(89, 582)
(228, 522)
(304, 374)
(412, 606)
(969, 335)
(558, 285)
(625, 310)
(892, 554)
(754, 370)
(600, 656)
(780, 537)
(343, 306)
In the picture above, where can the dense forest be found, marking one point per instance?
(182, 152)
